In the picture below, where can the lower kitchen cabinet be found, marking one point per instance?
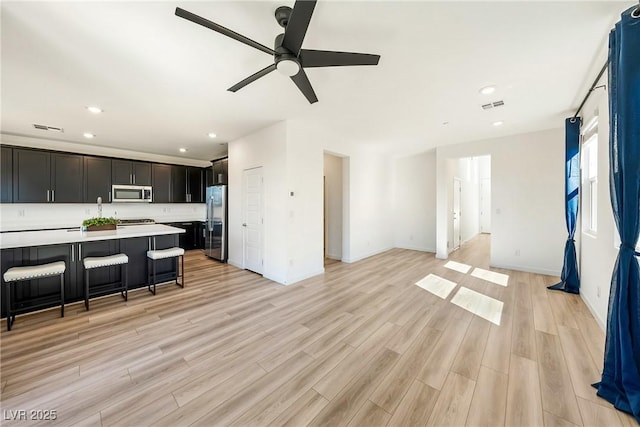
(36, 292)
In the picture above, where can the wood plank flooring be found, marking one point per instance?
(361, 345)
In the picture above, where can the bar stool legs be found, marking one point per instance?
(21, 274)
(154, 255)
(107, 261)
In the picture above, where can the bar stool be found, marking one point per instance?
(154, 255)
(18, 274)
(106, 261)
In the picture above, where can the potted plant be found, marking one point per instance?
(99, 224)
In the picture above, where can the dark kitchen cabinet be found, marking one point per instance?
(37, 293)
(42, 176)
(179, 184)
(31, 176)
(195, 189)
(66, 178)
(190, 238)
(6, 175)
(97, 179)
(218, 172)
(129, 172)
(161, 183)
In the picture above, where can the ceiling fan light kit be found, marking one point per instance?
(288, 57)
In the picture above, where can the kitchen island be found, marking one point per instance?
(22, 248)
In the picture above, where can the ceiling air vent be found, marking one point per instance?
(492, 105)
(48, 128)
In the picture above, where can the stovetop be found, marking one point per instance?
(135, 221)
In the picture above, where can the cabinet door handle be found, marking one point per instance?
(130, 178)
(73, 258)
(53, 195)
(79, 251)
(134, 178)
(109, 196)
(48, 196)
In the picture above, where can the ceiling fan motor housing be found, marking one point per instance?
(283, 13)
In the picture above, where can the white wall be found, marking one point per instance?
(333, 206)
(292, 156)
(528, 231)
(265, 148)
(367, 199)
(597, 252)
(33, 216)
(415, 202)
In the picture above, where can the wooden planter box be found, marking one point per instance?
(104, 227)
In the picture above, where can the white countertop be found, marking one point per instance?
(21, 239)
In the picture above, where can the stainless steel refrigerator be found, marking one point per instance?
(215, 245)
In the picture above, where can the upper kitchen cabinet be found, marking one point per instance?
(195, 190)
(31, 176)
(41, 176)
(6, 175)
(179, 184)
(67, 178)
(130, 172)
(161, 183)
(97, 179)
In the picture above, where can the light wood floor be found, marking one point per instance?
(360, 345)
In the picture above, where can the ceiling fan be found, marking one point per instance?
(288, 56)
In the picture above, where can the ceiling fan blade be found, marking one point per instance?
(302, 81)
(327, 58)
(297, 26)
(222, 30)
(252, 78)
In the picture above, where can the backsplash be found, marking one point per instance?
(33, 216)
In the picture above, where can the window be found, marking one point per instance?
(590, 178)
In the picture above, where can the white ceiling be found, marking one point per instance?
(162, 80)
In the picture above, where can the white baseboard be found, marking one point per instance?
(304, 277)
(417, 248)
(235, 263)
(361, 257)
(601, 322)
(527, 269)
(335, 257)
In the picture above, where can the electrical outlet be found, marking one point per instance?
(290, 263)
(411, 237)
(598, 291)
(21, 212)
(87, 211)
(517, 252)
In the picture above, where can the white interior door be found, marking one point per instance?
(485, 205)
(253, 220)
(457, 194)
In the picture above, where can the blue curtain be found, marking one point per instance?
(570, 280)
(620, 383)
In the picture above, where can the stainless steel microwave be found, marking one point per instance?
(131, 193)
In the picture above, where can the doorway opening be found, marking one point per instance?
(470, 199)
(335, 178)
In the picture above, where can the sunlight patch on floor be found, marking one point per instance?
(437, 285)
(491, 276)
(462, 268)
(479, 304)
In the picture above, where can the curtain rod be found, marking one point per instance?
(593, 86)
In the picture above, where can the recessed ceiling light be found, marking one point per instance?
(488, 90)
(183, 150)
(94, 109)
(88, 135)
(498, 123)
(223, 143)
(212, 135)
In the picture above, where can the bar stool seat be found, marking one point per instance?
(17, 274)
(157, 254)
(106, 261)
